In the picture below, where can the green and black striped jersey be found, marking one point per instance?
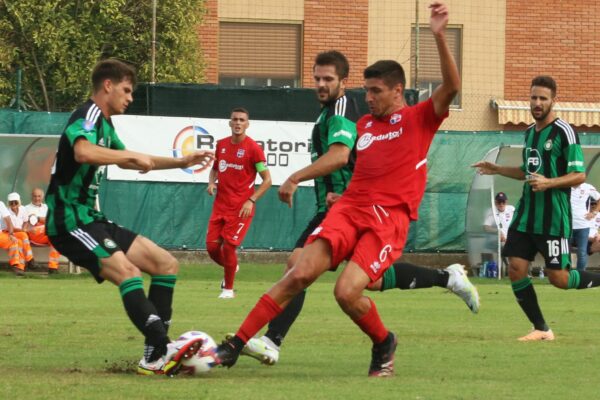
(552, 152)
(71, 196)
(336, 124)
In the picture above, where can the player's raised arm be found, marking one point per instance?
(444, 93)
(88, 153)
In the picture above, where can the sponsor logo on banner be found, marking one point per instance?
(190, 139)
(286, 145)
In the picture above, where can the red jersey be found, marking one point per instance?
(391, 158)
(236, 166)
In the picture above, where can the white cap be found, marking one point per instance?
(14, 196)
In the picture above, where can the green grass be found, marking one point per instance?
(67, 337)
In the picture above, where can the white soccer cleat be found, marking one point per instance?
(262, 349)
(151, 368)
(227, 294)
(459, 284)
(537, 335)
(170, 363)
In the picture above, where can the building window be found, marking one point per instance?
(429, 75)
(259, 54)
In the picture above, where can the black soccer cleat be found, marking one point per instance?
(382, 357)
(227, 353)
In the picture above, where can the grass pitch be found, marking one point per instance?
(67, 337)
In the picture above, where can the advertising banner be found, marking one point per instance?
(286, 144)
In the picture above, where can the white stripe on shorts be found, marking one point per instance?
(84, 238)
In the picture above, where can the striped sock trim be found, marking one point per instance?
(521, 284)
(389, 279)
(164, 280)
(574, 279)
(131, 284)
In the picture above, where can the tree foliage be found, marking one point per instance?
(57, 42)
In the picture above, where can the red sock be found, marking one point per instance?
(263, 312)
(371, 324)
(229, 264)
(215, 252)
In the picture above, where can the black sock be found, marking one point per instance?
(409, 276)
(237, 344)
(280, 326)
(161, 295)
(143, 314)
(583, 279)
(527, 299)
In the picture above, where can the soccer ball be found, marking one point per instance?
(204, 359)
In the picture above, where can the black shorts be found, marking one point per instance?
(554, 249)
(86, 245)
(312, 225)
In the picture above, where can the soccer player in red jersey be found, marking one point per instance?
(238, 160)
(368, 225)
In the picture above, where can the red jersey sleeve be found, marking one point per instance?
(258, 155)
(425, 112)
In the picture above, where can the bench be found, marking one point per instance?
(41, 255)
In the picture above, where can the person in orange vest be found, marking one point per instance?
(18, 218)
(10, 243)
(36, 214)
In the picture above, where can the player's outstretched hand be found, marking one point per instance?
(439, 17)
(204, 158)
(485, 168)
(286, 192)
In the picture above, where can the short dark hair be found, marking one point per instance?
(335, 58)
(390, 71)
(545, 81)
(242, 110)
(114, 70)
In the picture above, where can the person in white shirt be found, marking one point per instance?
(36, 214)
(498, 220)
(594, 235)
(10, 243)
(581, 197)
(20, 224)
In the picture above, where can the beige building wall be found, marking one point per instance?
(483, 52)
(276, 10)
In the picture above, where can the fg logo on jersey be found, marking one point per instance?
(533, 160)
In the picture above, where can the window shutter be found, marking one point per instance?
(429, 63)
(259, 50)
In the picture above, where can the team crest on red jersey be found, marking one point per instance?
(395, 119)
(240, 153)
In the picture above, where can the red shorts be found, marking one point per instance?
(229, 227)
(373, 237)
